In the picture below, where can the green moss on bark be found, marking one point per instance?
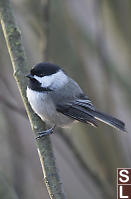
(20, 67)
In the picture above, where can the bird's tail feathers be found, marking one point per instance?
(112, 121)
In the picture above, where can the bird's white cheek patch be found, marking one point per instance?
(56, 80)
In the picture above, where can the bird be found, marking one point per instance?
(58, 100)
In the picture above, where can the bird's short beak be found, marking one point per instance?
(29, 76)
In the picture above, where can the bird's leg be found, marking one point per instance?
(46, 132)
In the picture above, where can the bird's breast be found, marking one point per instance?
(40, 103)
(43, 105)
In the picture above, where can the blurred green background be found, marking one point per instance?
(91, 41)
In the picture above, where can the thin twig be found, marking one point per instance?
(12, 106)
(20, 67)
(105, 191)
(46, 5)
(6, 190)
(6, 84)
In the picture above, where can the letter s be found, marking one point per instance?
(124, 176)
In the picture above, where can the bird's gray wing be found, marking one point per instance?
(82, 109)
(79, 109)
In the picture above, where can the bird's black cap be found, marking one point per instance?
(44, 69)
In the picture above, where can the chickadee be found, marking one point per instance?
(57, 98)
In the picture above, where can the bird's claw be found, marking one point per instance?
(46, 132)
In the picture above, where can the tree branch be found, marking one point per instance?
(20, 67)
(104, 187)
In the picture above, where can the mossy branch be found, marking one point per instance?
(20, 67)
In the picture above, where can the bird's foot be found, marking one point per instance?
(46, 132)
